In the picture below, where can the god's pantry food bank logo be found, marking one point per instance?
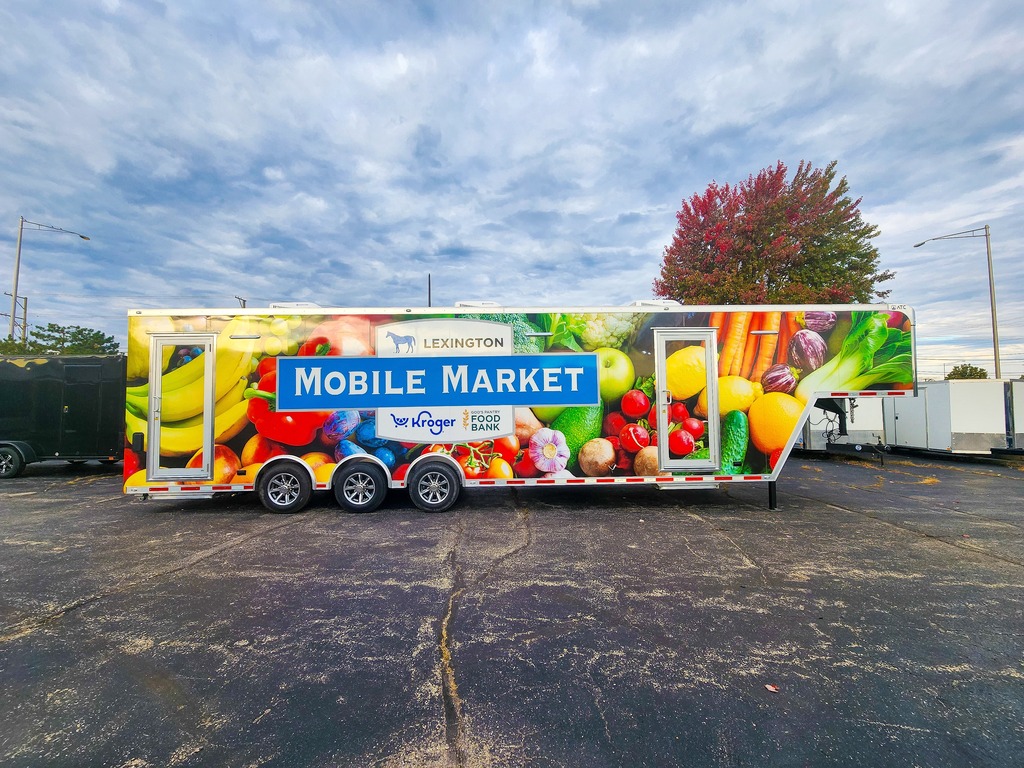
(439, 380)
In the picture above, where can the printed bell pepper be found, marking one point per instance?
(292, 428)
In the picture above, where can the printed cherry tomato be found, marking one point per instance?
(773, 459)
(694, 426)
(438, 448)
(400, 472)
(500, 469)
(507, 448)
(635, 404)
(680, 442)
(654, 436)
(633, 437)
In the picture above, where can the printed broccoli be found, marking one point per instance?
(606, 329)
(524, 333)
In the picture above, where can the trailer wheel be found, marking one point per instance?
(11, 463)
(284, 487)
(434, 487)
(360, 486)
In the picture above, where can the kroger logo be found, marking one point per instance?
(424, 419)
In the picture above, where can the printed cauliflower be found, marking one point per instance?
(606, 329)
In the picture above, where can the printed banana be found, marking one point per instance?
(182, 400)
(178, 440)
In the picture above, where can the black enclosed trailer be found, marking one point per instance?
(60, 407)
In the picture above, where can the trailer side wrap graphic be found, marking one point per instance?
(660, 394)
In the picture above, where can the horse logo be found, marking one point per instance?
(409, 342)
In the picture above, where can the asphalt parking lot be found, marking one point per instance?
(874, 619)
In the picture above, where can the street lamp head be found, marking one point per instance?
(918, 245)
(84, 237)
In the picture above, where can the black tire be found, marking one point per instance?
(360, 486)
(11, 463)
(434, 486)
(284, 487)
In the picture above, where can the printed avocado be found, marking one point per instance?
(522, 330)
(579, 424)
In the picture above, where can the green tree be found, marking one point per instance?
(14, 347)
(769, 240)
(967, 371)
(62, 340)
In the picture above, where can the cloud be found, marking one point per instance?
(289, 150)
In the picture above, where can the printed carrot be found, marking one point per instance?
(788, 327)
(734, 339)
(750, 347)
(716, 321)
(768, 344)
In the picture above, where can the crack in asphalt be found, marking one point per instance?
(454, 720)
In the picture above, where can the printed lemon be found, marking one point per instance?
(773, 417)
(735, 393)
(685, 372)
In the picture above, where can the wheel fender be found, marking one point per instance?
(438, 457)
(28, 455)
(287, 457)
(367, 457)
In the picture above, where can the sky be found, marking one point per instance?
(520, 152)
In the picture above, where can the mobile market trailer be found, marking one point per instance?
(295, 398)
(60, 407)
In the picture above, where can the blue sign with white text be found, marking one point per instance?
(334, 383)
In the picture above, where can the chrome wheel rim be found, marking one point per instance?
(434, 487)
(359, 488)
(283, 489)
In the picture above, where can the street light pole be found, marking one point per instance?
(22, 221)
(987, 234)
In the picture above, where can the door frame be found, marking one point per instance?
(208, 343)
(708, 337)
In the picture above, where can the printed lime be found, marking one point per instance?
(686, 373)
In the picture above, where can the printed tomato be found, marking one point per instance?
(525, 466)
(633, 437)
(635, 404)
(507, 448)
(680, 442)
(500, 469)
(472, 467)
(400, 472)
(774, 457)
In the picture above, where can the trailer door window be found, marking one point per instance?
(685, 366)
(179, 402)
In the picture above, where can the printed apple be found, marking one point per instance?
(615, 373)
(225, 463)
(258, 449)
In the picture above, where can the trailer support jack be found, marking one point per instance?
(773, 498)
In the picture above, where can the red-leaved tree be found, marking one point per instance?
(769, 240)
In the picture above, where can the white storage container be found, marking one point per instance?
(956, 416)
